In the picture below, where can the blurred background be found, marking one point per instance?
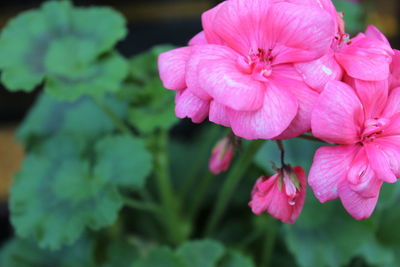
(152, 22)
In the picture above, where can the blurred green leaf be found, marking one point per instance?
(160, 257)
(335, 239)
(104, 75)
(353, 15)
(81, 118)
(152, 106)
(298, 152)
(121, 254)
(54, 199)
(24, 253)
(124, 160)
(202, 253)
(235, 258)
(66, 47)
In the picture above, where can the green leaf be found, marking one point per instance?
(81, 118)
(156, 109)
(53, 200)
(104, 75)
(334, 240)
(298, 152)
(121, 254)
(65, 46)
(152, 106)
(353, 15)
(24, 253)
(235, 258)
(124, 160)
(202, 253)
(143, 67)
(160, 257)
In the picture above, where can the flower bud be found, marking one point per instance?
(221, 155)
(281, 195)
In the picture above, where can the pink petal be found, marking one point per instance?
(391, 149)
(171, 66)
(393, 103)
(379, 163)
(199, 52)
(208, 21)
(219, 114)
(319, 72)
(395, 70)
(199, 39)
(338, 114)
(295, 35)
(258, 203)
(189, 105)
(329, 168)
(278, 110)
(221, 79)
(375, 32)
(373, 96)
(241, 24)
(356, 205)
(361, 177)
(306, 98)
(366, 58)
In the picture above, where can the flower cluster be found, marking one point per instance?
(275, 69)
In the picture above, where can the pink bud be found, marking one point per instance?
(221, 156)
(282, 195)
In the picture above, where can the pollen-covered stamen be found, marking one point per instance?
(258, 63)
(341, 39)
(373, 128)
(290, 185)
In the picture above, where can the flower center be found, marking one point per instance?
(257, 63)
(341, 39)
(373, 128)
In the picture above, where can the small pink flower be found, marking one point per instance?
(221, 155)
(282, 195)
(364, 120)
(239, 71)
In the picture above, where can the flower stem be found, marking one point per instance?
(202, 159)
(200, 194)
(269, 241)
(231, 183)
(169, 205)
(119, 124)
(139, 205)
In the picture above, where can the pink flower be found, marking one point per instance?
(240, 68)
(365, 57)
(282, 195)
(365, 121)
(221, 155)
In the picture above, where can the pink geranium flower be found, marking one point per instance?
(365, 57)
(221, 155)
(240, 68)
(365, 121)
(281, 195)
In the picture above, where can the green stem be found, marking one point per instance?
(139, 205)
(200, 194)
(231, 183)
(119, 124)
(169, 204)
(269, 242)
(201, 161)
